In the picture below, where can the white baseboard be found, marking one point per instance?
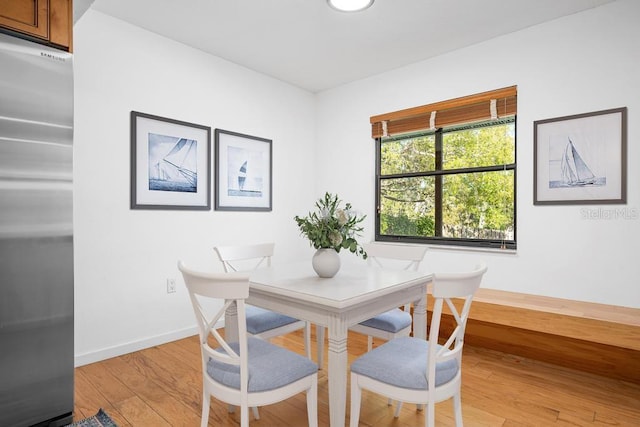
(118, 350)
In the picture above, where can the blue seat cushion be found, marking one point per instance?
(402, 362)
(260, 320)
(270, 367)
(391, 321)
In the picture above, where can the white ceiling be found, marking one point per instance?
(308, 44)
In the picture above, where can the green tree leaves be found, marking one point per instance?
(477, 184)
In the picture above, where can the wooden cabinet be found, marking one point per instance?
(46, 21)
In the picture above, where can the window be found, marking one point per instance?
(453, 185)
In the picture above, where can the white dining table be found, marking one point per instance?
(356, 293)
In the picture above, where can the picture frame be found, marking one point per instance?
(243, 172)
(170, 164)
(581, 159)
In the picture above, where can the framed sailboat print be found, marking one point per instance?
(243, 172)
(170, 164)
(581, 159)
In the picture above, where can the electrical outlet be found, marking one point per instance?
(171, 286)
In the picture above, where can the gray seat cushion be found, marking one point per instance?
(270, 367)
(391, 321)
(402, 362)
(260, 320)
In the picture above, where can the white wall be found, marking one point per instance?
(123, 257)
(582, 63)
(321, 143)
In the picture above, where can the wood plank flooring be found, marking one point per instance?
(161, 386)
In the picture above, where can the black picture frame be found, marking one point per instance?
(170, 164)
(581, 159)
(243, 172)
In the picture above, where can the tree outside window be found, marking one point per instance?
(453, 186)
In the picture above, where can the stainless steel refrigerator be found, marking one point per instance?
(36, 234)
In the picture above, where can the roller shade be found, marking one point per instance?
(483, 106)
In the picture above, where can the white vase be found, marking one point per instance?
(326, 262)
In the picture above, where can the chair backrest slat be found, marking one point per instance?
(245, 257)
(406, 257)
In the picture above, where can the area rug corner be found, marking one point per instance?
(101, 419)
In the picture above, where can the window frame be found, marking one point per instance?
(438, 173)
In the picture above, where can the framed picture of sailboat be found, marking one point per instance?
(581, 159)
(243, 172)
(170, 164)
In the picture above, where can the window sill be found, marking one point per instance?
(451, 248)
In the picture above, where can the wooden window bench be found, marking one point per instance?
(597, 338)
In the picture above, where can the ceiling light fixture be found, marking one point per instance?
(350, 5)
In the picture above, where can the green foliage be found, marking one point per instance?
(397, 225)
(402, 225)
(331, 226)
(474, 205)
(409, 155)
(426, 226)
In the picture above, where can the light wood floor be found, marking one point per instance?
(161, 386)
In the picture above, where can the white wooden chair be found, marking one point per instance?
(420, 371)
(397, 322)
(261, 323)
(250, 372)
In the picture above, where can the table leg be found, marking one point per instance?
(320, 346)
(420, 325)
(231, 324)
(337, 372)
(420, 316)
